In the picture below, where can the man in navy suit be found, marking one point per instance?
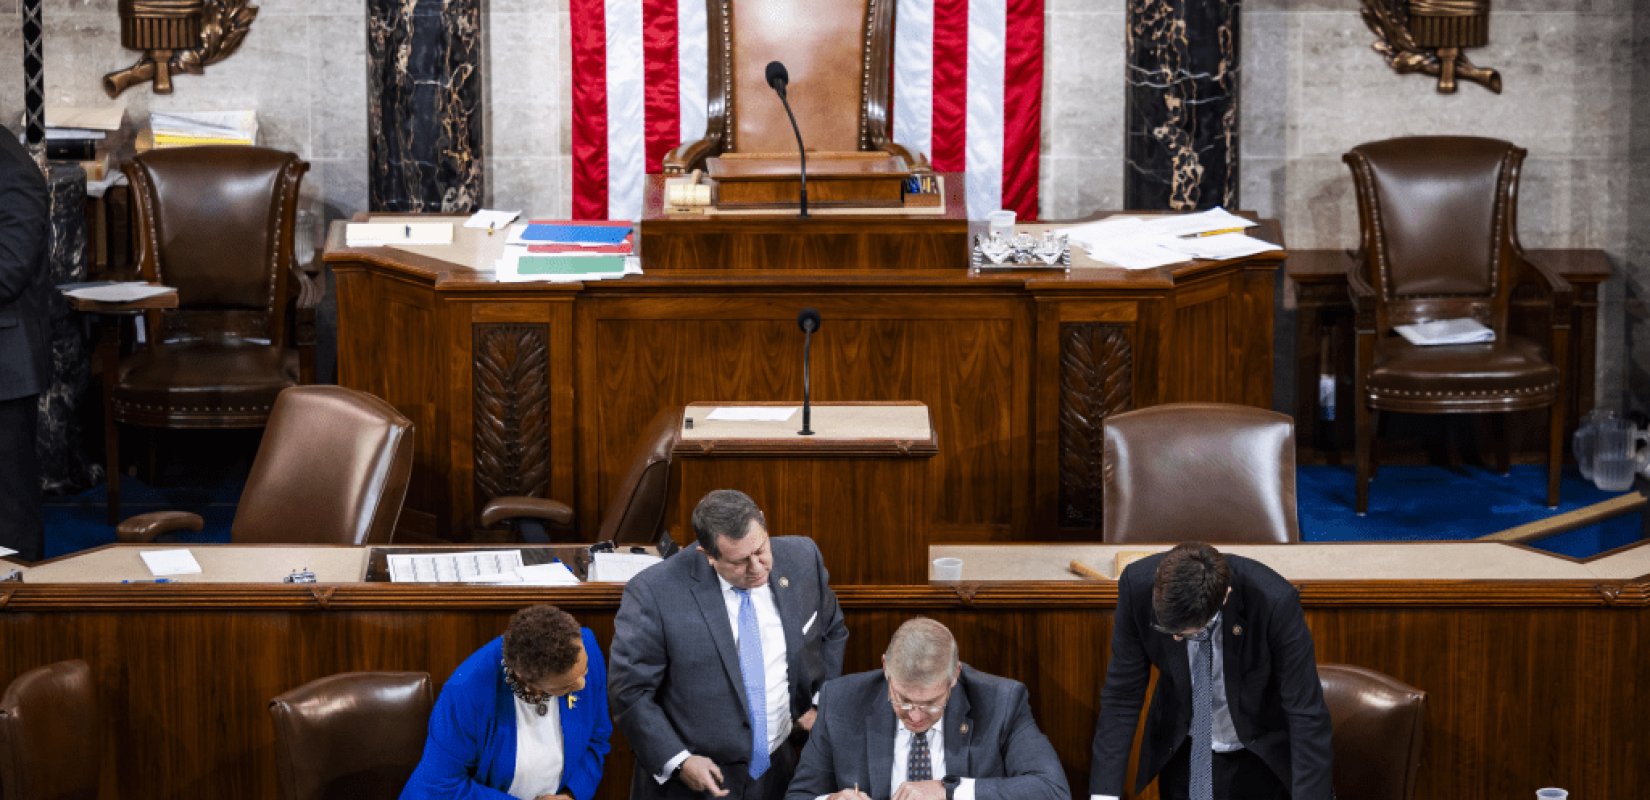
(718, 652)
(25, 348)
(1238, 711)
(927, 727)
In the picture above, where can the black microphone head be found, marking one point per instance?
(808, 320)
(777, 76)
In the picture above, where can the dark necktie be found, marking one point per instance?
(920, 767)
(1201, 779)
(756, 682)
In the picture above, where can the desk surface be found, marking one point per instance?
(907, 422)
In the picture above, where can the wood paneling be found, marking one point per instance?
(1530, 684)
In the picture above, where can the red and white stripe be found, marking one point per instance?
(968, 93)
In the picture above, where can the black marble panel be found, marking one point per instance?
(424, 105)
(1181, 105)
(66, 464)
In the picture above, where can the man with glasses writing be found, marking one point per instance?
(926, 727)
(718, 651)
(1238, 711)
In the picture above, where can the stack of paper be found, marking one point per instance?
(181, 129)
(568, 251)
(620, 567)
(553, 574)
(96, 138)
(1446, 331)
(1135, 243)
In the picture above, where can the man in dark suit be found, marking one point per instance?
(927, 727)
(25, 346)
(1238, 711)
(718, 651)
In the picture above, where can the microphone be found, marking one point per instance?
(779, 78)
(808, 321)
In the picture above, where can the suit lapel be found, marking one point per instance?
(707, 592)
(959, 732)
(785, 599)
(879, 744)
(1234, 633)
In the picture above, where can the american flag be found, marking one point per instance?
(968, 93)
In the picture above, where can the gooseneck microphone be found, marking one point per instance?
(808, 321)
(778, 78)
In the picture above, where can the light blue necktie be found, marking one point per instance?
(752, 666)
(1201, 780)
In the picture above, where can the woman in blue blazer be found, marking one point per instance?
(495, 729)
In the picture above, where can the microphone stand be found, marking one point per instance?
(807, 339)
(804, 156)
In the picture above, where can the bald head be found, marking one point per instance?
(922, 653)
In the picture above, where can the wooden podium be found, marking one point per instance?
(859, 486)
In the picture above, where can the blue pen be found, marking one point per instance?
(157, 580)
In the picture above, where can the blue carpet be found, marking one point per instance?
(79, 522)
(1445, 503)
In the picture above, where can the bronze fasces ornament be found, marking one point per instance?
(177, 36)
(1427, 36)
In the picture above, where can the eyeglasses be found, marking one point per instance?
(909, 707)
(1201, 636)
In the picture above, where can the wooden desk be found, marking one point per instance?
(1532, 663)
(859, 486)
(1325, 345)
(539, 389)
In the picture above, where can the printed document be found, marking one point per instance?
(451, 567)
(620, 567)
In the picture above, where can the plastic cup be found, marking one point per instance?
(947, 569)
(1001, 223)
(1551, 794)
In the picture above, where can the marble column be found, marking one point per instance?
(424, 105)
(1181, 112)
(66, 465)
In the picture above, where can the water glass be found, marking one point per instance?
(1001, 223)
(1551, 794)
(1619, 451)
(947, 569)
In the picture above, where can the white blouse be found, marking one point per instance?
(539, 758)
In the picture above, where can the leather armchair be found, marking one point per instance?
(332, 469)
(216, 223)
(51, 734)
(355, 736)
(1438, 223)
(840, 86)
(1209, 472)
(1377, 739)
(636, 514)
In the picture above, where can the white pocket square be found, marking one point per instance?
(810, 622)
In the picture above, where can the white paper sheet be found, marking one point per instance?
(170, 562)
(7, 551)
(620, 567)
(752, 413)
(1215, 219)
(127, 292)
(378, 234)
(1221, 246)
(1135, 254)
(451, 567)
(553, 574)
(1446, 331)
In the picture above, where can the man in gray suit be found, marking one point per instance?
(926, 727)
(25, 348)
(718, 651)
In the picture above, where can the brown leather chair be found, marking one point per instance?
(1208, 472)
(217, 224)
(1438, 222)
(332, 469)
(1378, 722)
(840, 80)
(51, 734)
(355, 736)
(635, 515)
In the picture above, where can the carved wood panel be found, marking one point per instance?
(512, 410)
(1096, 381)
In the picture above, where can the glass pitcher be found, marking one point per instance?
(1619, 450)
(1582, 440)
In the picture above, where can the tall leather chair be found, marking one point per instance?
(635, 515)
(1438, 223)
(838, 54)
(1210, 472)
(1377, 739)
(332, 469)
(216, 223)
(355, 736)
(51, 735)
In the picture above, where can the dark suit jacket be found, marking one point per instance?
(989, 736)
(25, 289)
(674, 681)
(1271, 683)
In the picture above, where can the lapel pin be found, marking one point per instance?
(784, 583)
(963, 728)
(1237, 630)
(570, 701)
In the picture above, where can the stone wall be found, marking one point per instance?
(1574, 72)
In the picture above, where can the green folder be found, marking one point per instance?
(570, 265)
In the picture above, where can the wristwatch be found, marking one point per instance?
(951, 782)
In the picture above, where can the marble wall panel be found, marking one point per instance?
(338, 108)
(1077, 186)
(1263, 99)
(1082, 84)
(533, 185)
